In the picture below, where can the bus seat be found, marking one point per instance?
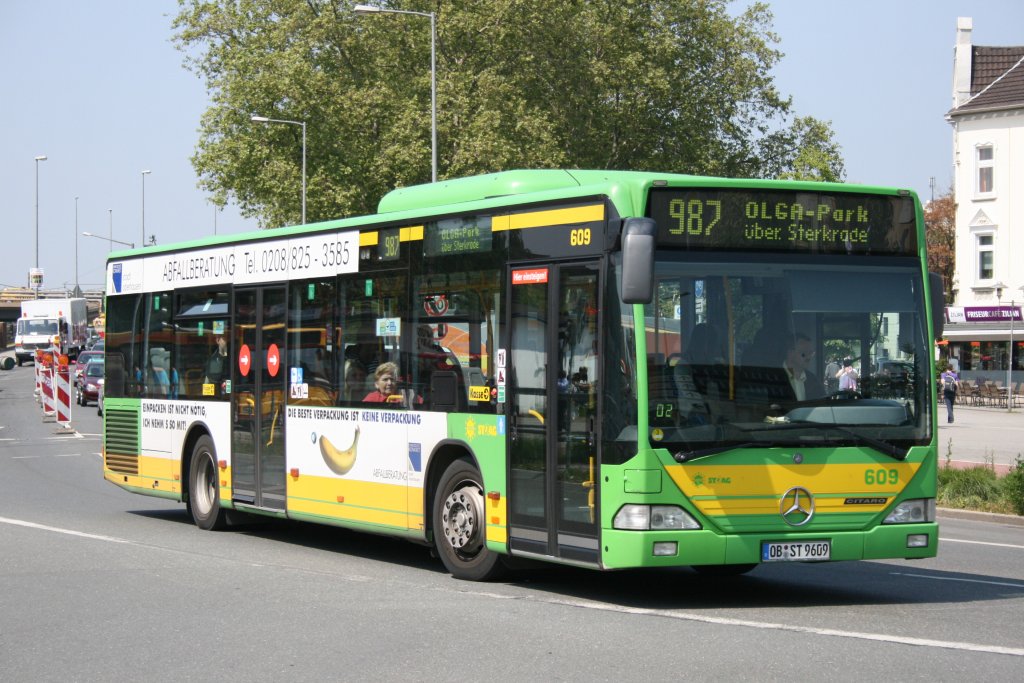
(444, 390)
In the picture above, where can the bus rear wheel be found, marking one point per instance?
(204, 487)
(460, 525)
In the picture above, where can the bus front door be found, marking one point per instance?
(258, 398)
(552, 417)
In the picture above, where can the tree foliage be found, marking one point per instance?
(670, 85)
(940, 232)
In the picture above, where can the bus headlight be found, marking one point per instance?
(912, 512)
(645, 517)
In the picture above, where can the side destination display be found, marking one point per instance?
(773, 220)
(319, 255)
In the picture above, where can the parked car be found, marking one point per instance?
(99, 398)
(83, 359)
(90, 387)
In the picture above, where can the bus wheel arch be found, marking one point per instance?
(200, 470)
(457, 515)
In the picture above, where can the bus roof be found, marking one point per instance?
(627, 190)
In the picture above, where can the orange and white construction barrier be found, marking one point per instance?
(47, 392)
(62, 395)
(37, 366)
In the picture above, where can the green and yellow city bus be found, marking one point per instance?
(597, 368)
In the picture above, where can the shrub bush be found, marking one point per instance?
(975, 487)
(1013, 487)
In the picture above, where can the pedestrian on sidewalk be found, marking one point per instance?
(950, 383)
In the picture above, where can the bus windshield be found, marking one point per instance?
(807, 351)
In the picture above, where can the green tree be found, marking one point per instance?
(804, 151)
(673, 85)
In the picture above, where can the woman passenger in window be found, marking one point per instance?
(385, 379)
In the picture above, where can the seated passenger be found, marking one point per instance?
(799, 356)
(385, 379)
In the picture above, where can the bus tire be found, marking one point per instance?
(204, 487)
(460, 525)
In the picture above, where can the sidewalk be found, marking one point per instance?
(981, 435)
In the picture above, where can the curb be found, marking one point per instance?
(990, 517)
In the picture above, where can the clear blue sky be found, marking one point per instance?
(99, 89)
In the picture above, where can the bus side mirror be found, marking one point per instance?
(938, 297)
(638, 260)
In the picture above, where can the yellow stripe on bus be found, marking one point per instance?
(410, 234)
(358, 501)
(368, 239)
(160, 473)
(536, 219)
(757, 489)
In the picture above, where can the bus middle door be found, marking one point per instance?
(258, 398)
(552, 414)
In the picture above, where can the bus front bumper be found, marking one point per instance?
(627, 549)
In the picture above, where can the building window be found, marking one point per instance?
(985, 257)
(986, 170)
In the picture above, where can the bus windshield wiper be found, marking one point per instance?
(687, 456)
(893, 451)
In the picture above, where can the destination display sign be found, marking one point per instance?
(290, 258)
(458, 236)
(778, 220)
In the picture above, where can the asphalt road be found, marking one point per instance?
(100, 584)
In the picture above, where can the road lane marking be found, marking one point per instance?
(771, 626)
(950, 578)
(69, 532)
(997, 545)
(666, 614)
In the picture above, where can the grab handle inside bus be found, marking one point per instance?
(938, 298)
(638, 260)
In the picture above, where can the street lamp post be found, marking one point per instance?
(108, 239)
(371, 9)
(144, 174)
(41, 157)
(264, 119)
(1009, 366)
(77, 290)
(999, 287)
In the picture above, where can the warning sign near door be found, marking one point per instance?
(273, 360)
(244, 360)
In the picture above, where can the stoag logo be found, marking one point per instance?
(116, 271)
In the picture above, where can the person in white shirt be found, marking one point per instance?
(848, 376)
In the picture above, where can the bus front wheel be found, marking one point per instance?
(204, 487)
(460, 525)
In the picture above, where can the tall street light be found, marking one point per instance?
(264, 119)
(77, 289)
(371, 9)
(144, 174)
(999, 287)
(1009, 366)
(108, 239)
(41, 157)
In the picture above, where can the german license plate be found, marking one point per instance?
(796, 551)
